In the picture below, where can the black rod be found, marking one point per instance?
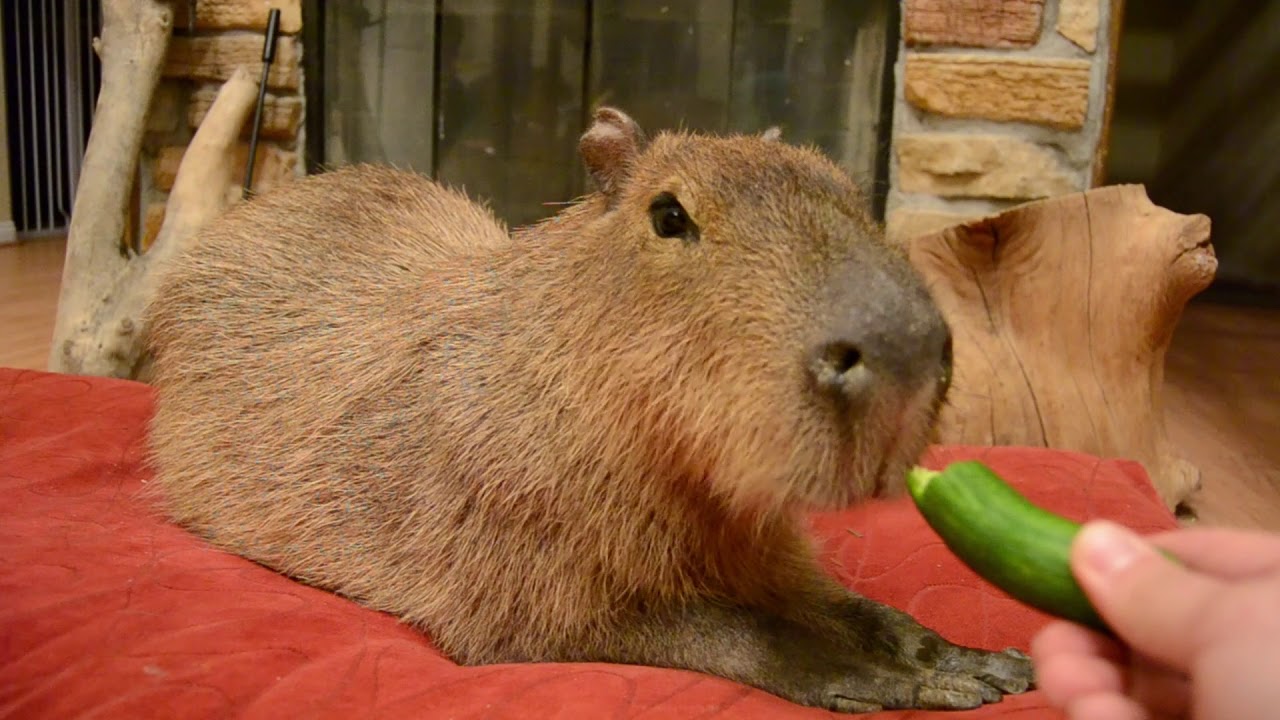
(268, 56)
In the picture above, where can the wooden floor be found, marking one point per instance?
(1222, 384)
(30, 275)
(1222, 410)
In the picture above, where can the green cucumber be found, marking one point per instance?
(1015, 545)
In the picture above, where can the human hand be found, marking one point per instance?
(1200, 641)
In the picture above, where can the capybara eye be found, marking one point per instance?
(669, 218)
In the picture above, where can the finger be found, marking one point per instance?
(1156, 606)
(1065, 677)
(1223, 552)
(1238, 681)
(1106, 706)
(1160, 690)
(1062, 636)
(1072, 661)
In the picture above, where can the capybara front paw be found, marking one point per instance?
(1010, 671)
(921, 690)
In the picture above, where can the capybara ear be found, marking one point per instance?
(609, 146)
(773, 134)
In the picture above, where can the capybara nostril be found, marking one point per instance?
(842, 357)
(837, 367)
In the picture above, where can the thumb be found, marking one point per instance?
(1154, 605)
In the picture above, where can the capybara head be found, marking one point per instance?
(777, 345)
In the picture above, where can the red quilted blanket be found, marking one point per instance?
(109, 611)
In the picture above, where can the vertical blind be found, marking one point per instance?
(51, 77)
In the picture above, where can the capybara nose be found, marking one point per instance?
(855, 369)
(878, 331)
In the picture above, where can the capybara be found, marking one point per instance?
(591, 439)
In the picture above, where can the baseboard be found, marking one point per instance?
(8, 232)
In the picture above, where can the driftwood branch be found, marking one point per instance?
(1062, 312)
(99, 328)
(202, 189)
(135, 38)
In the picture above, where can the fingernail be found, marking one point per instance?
(1107, 548)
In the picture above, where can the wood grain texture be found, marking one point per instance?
(1222, 402)
(1062, 311)
(30, 275)
(132, 45)
(101, 326)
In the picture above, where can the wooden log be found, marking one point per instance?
(135, 38)
(100, 324)
(1062, 310)
(202, 189)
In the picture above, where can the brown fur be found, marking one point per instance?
(560, 444)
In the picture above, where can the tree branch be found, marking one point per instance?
(134, 41)
(201, 191)
(100, 326)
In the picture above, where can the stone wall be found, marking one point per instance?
(205, 49)
(998, 102)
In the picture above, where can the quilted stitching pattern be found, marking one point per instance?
(108, 611)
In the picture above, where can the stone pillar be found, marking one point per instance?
(205, 49)
(997, 102)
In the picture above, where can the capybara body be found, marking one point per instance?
(589, 440)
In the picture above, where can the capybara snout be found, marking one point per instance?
(884, 333)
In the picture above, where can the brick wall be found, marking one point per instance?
(998, 102)
(205, 49)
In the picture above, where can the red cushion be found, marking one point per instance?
(107, 609)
